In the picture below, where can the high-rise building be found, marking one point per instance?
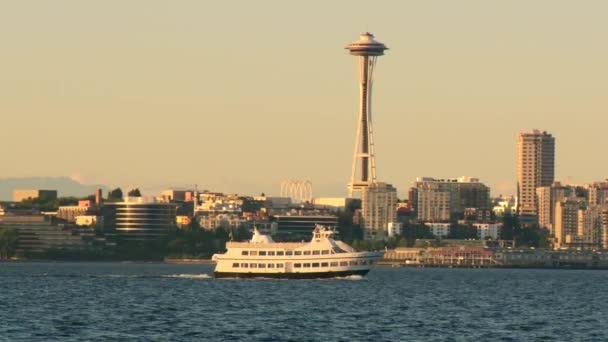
(598, 193)
(535, 168)
(367, 50)
(439, 199)
(547, 197)
(378, 209)
(566, 230)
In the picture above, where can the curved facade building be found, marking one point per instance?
(139, 220)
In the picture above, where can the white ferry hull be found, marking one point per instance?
(284, 275)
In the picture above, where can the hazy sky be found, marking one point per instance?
(237, 96)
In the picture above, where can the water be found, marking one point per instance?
(162, 302)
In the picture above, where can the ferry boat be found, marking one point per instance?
(322, 257)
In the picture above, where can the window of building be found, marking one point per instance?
(244, 265)
(324, 264)
(297, 252)
(279, 265)
(297, 265)
(280, 253)
(334, 263)
(306, 252)
(253, 265)
(270, 253)
(306, 265)
(262, 253)
(325, 252)
(343, 263)
(261, 265)
(270, 265)
(315, 264)
(316, 252)
(253, 253)
(235, 265)
(245, 253)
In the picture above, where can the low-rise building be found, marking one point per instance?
(23, 194)
(439, 230)
(488, 230)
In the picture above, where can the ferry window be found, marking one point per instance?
(289, 253)
(245, 253)
(334, 263)
(262, 253)
(280, 253)
(324, 264)
(306, 252)
(270, 253)
(253, 253)
(317, 236)
(270, 265)
(343, 263)
(261, 265)
(353, 263)
(316, 252)
(236, 264)
(297, 265)
(244, 265)
(253, 265)
(297, 253)
(315, 264)
(279, 265)
(325, 252)
(306, 265)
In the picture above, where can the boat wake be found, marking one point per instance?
(188, 276)
(350, 277)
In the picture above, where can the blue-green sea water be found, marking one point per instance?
(164, 302)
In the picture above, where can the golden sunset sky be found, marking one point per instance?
(236, 96)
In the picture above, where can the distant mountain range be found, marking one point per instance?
(65, 186)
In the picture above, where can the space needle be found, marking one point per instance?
(367, 50)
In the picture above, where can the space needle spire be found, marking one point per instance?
(367, 50)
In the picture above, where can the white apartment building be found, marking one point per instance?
(378, 209)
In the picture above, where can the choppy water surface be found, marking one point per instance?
(158, 302)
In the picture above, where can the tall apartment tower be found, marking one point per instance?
(378, 209)
(535, 168)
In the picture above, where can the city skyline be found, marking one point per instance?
(222, 97)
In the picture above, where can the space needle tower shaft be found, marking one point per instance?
(367, 50)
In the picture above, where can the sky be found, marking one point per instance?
(237, 96)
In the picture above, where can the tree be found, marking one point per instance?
(134, 193)
(115, 195)
(8, 242)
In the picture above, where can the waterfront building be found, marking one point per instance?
(38, 233)
(23, 194)
(439, 230)
(378, 209)
(439, 199)
(139, 218)
(535, 168)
